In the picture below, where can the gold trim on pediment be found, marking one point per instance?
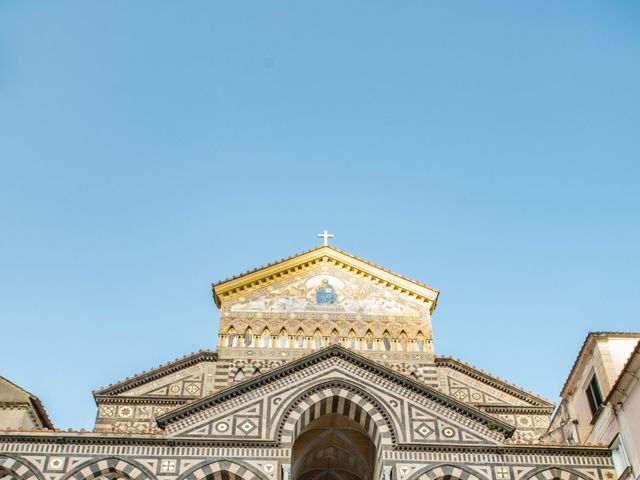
(327, 255)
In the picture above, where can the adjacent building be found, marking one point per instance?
(601, 399)
(21, 409)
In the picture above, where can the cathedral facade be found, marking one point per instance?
(325, 369)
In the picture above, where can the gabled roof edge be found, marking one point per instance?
(229, 284)
(334, 350)
(157, 372)
(497, 382)
(626, 375)
(36, 403)
(591, 335)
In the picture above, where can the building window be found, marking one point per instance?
(593, 394)
(619, 455)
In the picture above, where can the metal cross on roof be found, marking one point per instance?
(325, 236)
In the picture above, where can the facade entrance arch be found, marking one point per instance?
(333, 447)
(342, 398)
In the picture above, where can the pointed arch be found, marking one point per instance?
(404, 341)
(420, 344)
(352, 338)
(248, 337)
(386, 340)
(446, 472)
(231, 337)
(114, 467)
(300, 338)
(283, 338)
(221, 469)
(19, 468)
(317, 338)
(368, 340)
(341, 397)
(335, 337)
(265, 338)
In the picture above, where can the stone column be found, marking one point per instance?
(286, 471)
(386, 472)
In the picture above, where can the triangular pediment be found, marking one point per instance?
(470, 384)
(528, 412)
(326, 290)
(267, 407)
(303, 283)
(182, 377)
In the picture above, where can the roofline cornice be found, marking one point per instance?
(515, 409)
(261, 277)
(335, 351)
(143, 400)
(93, 438)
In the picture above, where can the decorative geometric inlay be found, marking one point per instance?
(448, 432)
(460, 395)
(423, 429)
(192, 388)
(108, 411)
(476, 396)
(175, 388)
(502, 473)
(56, 463)
(125, 412)
(541, 421)
(247, 426)
(222, 427)
(168, 465)
(159, 411)
(268, 468)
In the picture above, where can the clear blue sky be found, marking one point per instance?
(149, 148)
